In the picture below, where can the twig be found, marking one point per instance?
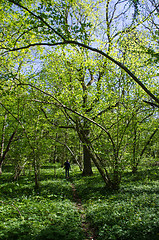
(12, 206)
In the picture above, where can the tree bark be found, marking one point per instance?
(0, 169)
(87, 170)
(110, 183)
(6, 150)
(87, 166)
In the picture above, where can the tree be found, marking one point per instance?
(69, 24)
(62, 30)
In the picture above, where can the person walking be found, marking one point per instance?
(67, 168)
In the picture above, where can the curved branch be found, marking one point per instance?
(122, 66)
(119, 64)
(61, 105)
(31, 45)
(84, 46)
(148, 142)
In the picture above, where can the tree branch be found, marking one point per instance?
(151, 103)
(122, 66)
(147, 143)
(8, 147)
(105, 110)
(64, 107)
(38, 17)
(85, 46)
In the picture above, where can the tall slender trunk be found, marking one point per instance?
(2, 142)
(6, 150)
(36, 171)
(55, 150)
(36, 159)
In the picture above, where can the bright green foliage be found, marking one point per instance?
(50, 212)
(130, 213)
(67, 69)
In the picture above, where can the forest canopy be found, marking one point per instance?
(79, 80)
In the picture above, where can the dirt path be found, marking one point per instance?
(87, 229)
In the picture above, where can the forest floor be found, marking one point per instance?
(89, 231)
(79, 208)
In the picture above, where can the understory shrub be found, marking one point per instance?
(132, 215)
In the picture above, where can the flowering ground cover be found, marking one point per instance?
(50, 212)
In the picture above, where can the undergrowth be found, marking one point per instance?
(50, 212)
(131, 213)
(47, 213)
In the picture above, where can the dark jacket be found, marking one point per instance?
(66, 165)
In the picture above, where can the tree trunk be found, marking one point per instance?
(87, 166)
(111, 182)
(94, 156)
(87, 170)
(36, 173)
(4, 153)
(116, 175)
(2, 142)
(0, 169)
(18, 170)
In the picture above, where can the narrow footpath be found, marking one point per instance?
(87, 229)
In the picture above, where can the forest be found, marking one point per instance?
(79, 81)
